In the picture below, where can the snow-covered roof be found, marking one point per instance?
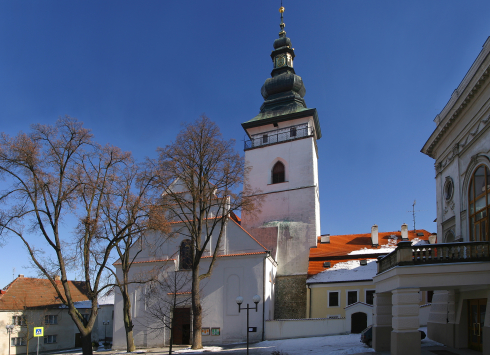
(107, 299)
(350, 270)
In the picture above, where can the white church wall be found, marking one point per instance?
(231, 277)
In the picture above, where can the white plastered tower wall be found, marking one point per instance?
(292, 206)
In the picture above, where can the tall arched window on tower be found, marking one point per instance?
(479, 204)
(185, 255)
(278, 173)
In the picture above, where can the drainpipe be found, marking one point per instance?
(263, 296)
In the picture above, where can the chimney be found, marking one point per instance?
(325, 238)
(21, 275)
(374, 235)
(404, 232)
(433, 238)
(57, 277)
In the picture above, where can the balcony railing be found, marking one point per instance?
(279, 135)
(408, 254)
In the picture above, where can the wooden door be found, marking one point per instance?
(476, 319)
(182, 326)
(78, 340)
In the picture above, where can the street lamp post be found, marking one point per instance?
(239, 301)
(105, 323)
(9, 328)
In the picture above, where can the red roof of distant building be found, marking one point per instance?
(26, 292)
(341, 246)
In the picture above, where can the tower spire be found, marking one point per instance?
(282, 33)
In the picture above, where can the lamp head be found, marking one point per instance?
(256, 299)
(239, 300)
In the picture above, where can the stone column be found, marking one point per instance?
(382, 321)
(405, 337)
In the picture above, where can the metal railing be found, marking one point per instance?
(279, 135)
(406, 254)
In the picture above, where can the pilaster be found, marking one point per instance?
(405, 337)
(382, 315)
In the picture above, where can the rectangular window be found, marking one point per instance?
(370, 296)
(351, 297)
(18, 320)
(50, 339)
(51, 319)
(333, 299)
(430, 294)
(265, 138)
(17, 341)
(292, 132)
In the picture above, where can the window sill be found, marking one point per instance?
(277, 183)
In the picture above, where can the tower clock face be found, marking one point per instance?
(280, 61)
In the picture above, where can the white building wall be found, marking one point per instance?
(292, 206)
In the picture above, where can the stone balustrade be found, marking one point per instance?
(408, 254)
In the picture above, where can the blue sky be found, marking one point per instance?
(378, 73)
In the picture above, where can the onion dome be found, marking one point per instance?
(283, 92)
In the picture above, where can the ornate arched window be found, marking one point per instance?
(278, 173)
(185, 255)
(479, 203)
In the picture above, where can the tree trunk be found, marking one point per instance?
(128, 322)
(196, 311)
(86, 343)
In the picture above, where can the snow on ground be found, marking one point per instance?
(333, 344)
(350, 270)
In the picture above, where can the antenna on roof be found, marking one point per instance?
(413, 214)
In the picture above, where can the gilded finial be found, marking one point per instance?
(282, 33)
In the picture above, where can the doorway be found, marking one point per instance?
(358, 322)
(476, 318)
(182, 326)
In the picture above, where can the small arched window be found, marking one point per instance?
(185, 255)
(278, 173)
(479, 204)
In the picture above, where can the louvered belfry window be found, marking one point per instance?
(278, 173)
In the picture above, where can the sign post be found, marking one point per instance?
(38, 332)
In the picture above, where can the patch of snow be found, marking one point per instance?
(347, 271)
(106, 299)
(383, 249)
(418, 241)
(333, 344)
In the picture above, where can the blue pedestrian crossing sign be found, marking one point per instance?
(38, 331)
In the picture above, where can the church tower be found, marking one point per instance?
(282, 153)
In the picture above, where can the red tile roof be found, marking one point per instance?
(31, 293)
(341, 245)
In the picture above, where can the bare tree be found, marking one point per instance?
(201, 177)
(169, 290)
(56, 174)
(128, 214)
